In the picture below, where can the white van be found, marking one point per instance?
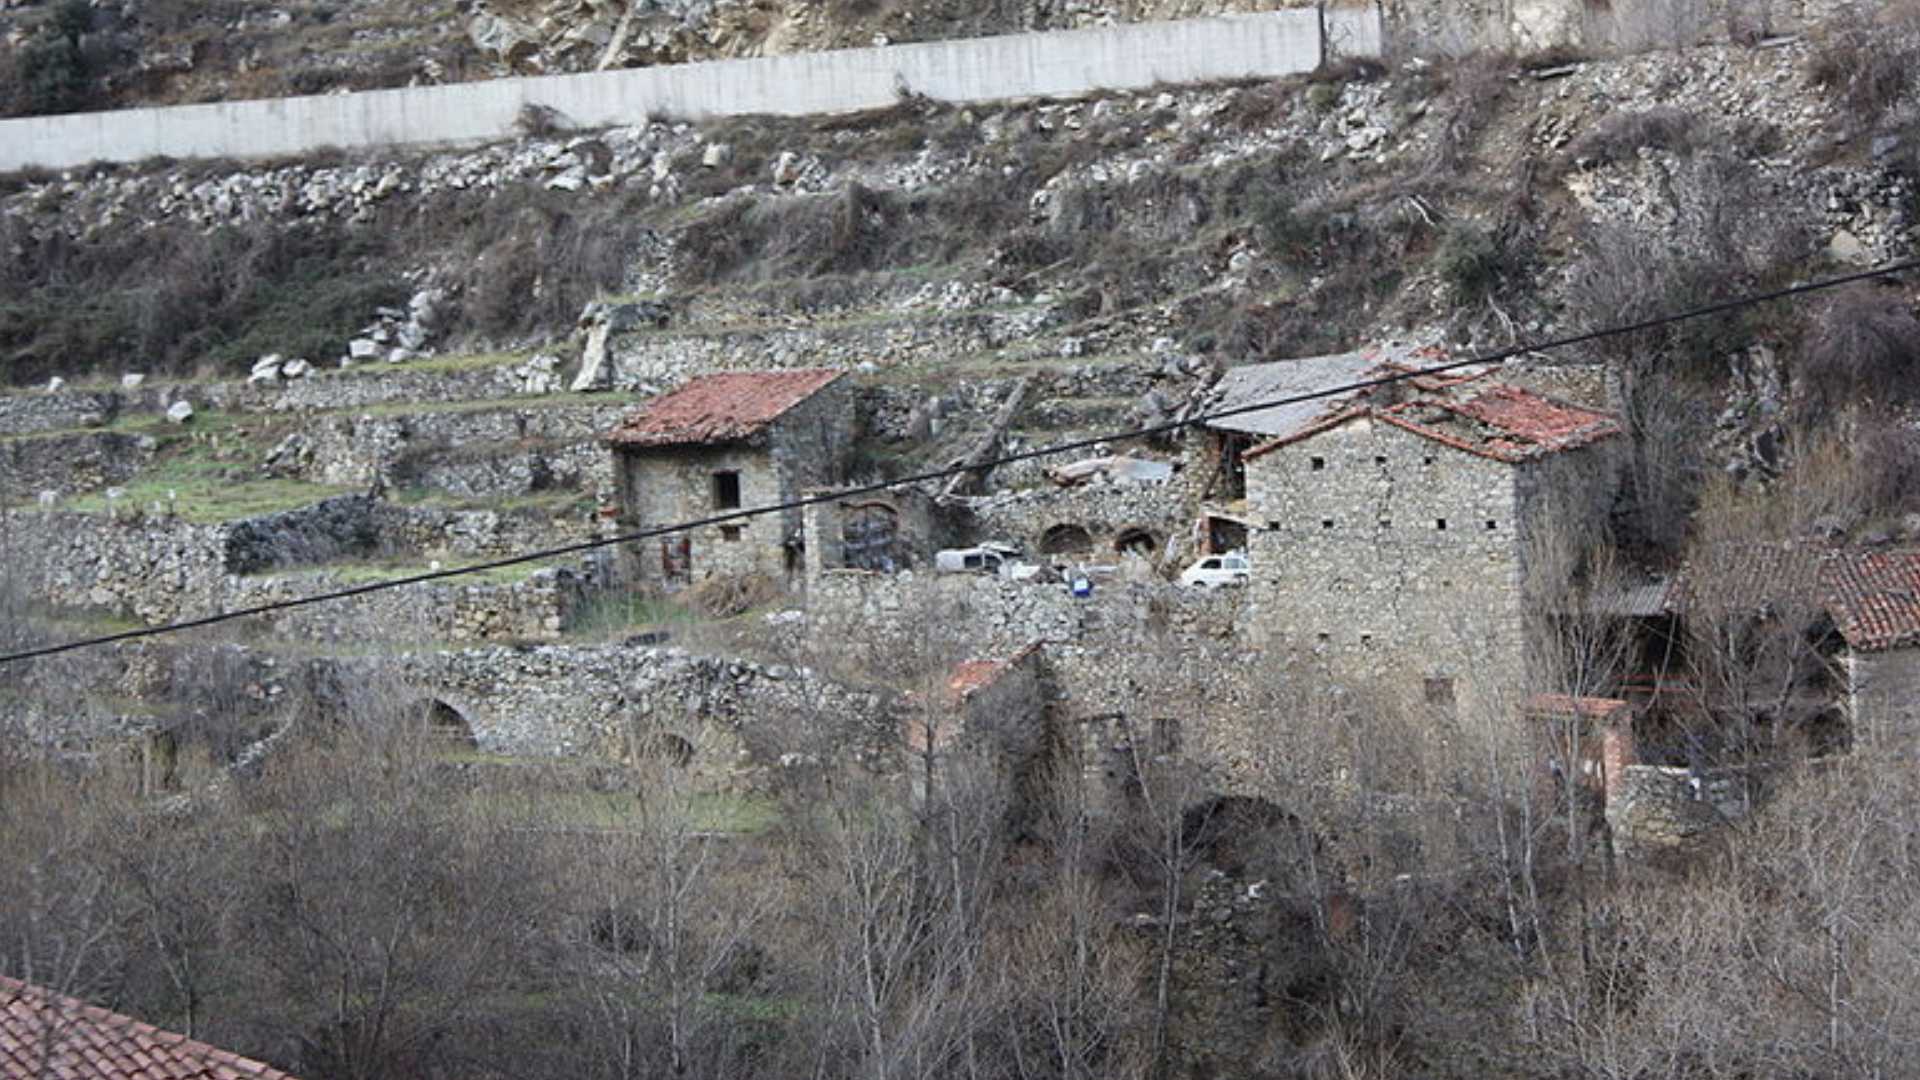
(1218, 571)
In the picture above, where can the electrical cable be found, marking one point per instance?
(1049, 450)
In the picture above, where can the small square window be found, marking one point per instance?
(1428, 460)
(1380, 459)
(1273, 526)
(726, 490)
(731, 533)
(1386, 523)
(1492, 526)
(1366, 641)
(1326, 523)
(1316, 464)
(1440, 524)
(1323, 638)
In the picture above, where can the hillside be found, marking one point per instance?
(1560, 723)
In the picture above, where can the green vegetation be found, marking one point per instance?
(209, 492)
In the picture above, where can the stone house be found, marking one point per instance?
(991, 711)
(1873, 598)
(1393, 530)
(722, 443)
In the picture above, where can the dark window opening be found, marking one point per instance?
(1136, 542)
(1440, 524)
(1380, 459)
(1066, 539)
(1326, 523)
(1428, 460)
(1440, 692)
(1366, 641)
(1165, 735)
(726, 490)
(730, 533)
(1323, 637)
(1386, 523)
(1492, 525)
(1316, 464)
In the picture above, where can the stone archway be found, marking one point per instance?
(446, 724)
(1137, 541)
(663, 747)
(869, 537)
(1066, 538)
(1238, 833)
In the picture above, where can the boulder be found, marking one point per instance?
(296, 368)
(180, 412)
(363, 349)
(56, 384)
(132, 380)
(716, 155)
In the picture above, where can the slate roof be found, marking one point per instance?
(724, 408)
(1251, 384)
(48, 1035)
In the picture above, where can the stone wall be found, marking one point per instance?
(1883, 697)
(1385, 551)
(655, 360)
(70, 463)
(470, 453)
(162, 570)
(1056, 64)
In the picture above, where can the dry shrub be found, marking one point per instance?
(532, 258)
(1866, 58)
(1864, 347)
(723, 597)
(1617, 136)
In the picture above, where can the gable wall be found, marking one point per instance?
(1352, 568)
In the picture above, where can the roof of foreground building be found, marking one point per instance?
(724, 408)
(44, 1034)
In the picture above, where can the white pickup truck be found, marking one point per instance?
(998, 560)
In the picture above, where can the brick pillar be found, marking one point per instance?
(1617, 750)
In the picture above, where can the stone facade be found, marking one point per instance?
(802, 446)
(1378, 549)
(1883, 695)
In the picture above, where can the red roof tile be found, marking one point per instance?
(1874, 597)
(1502, 422)
(47, 1034)
(724, 408)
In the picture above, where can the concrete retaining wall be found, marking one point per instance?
(1059, 64)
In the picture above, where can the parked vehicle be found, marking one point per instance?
(1218, 571)
(999, 560)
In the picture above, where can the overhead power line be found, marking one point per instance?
(1049, 450)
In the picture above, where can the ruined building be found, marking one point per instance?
(1396, 532)
(729, 442)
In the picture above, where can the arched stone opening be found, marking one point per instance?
(663, 747)
(1066, 539)
(869, 537)
(1137, 541)
(1240, 834)
(446, 724)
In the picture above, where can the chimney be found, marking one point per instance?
(1617, 750)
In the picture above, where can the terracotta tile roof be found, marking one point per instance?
(724, 408)
(1874, 597)
(1505, 423)
(43, 1034)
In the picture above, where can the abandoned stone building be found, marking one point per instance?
(1392, 529)
(729, 442)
